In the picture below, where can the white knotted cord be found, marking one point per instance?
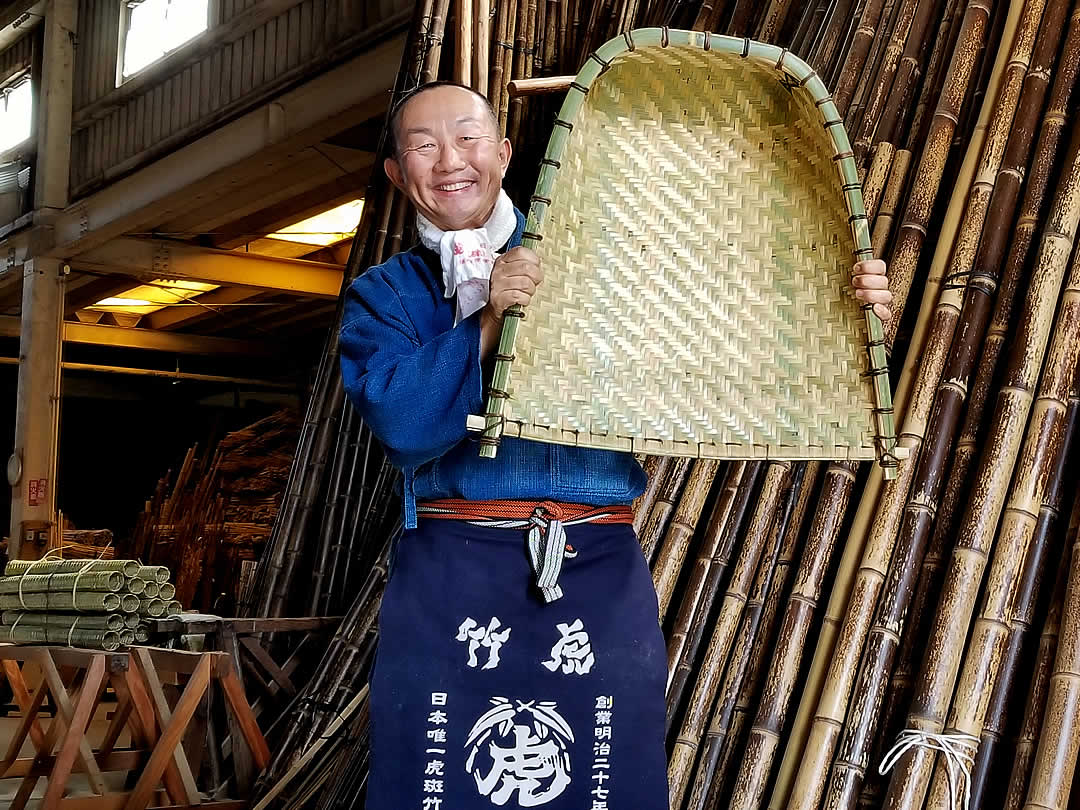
(957, 748)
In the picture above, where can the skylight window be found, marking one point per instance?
(16, 114)
(327, 228)
(157, 27)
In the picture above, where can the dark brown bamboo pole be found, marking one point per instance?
(883, 86)
(778, 693)
(697, 613)
(1023, 233)
(1055, 756)
(864, 714)
(1042, 547)
(743, 646)
(998, 459)
(877, 177)
(731, 609)
(832, 35)
(711, 549)
(944, 41)
(908, 72)
(1035, 703)
(773, 21)
(867, 79)
(762, 655)
(656, 524)
(924, 192)
(676, 543)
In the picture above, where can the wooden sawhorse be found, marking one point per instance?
(76, 680)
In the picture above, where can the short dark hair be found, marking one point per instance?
(399, 107)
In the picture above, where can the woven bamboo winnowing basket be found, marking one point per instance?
(697, 215)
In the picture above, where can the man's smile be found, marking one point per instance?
(458, 186)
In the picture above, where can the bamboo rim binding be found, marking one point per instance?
(794, 74)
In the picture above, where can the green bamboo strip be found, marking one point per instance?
(84, 601)
(108, 581)
(697, 715)
(107, 621)
(976, 535)
(128, 568)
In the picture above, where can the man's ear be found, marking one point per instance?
(393, 171)
(504, 154)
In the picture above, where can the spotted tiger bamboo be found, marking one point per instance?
(711, 550)
(1035, 703)
(655, 468)
(1043, 548)
(924, 192)
(663, 506)
(723, 635)
(676, 543)
(742, 649)
(974, 541)
(832, 707)
(1059, 739)
(699, 614)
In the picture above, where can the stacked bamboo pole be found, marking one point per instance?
(773, 700)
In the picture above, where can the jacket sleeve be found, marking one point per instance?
(415, 396)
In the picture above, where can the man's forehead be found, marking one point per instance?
(443, 104)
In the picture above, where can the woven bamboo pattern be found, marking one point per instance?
(697, 216)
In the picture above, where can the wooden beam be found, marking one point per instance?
(159, 258)
(93, 334)
(256, 144)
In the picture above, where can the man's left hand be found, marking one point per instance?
(872, 287)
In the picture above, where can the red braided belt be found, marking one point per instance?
(544, 522)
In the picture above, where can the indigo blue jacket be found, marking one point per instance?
(414, 377)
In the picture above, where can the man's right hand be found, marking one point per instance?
(514, 279)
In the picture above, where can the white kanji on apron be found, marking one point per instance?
(520, 747)
(573, 652)
(479, 636)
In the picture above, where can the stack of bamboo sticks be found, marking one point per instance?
(815, 613)
(103, 604)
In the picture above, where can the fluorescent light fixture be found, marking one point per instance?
(327, 228)
(158, 294)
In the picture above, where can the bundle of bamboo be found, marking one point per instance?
(85, 603)
(938, 582)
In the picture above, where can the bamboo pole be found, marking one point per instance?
(864, 715)
(989, 723)
(463, 42)
(676, 544)
(656, 469)
(779, 689)
(481, 64)
(656, 524)
(1034, 705)
(867, 79)
(723, 636)
(935, 153)
(976, 535)
(1055, 757)
(698, 613)
(715, 534)
(879, 523)
(743, 646)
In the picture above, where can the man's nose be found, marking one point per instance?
(450, 159)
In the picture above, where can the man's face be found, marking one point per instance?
(450, 159)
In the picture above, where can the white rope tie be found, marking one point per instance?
(75, 585)
(957, 748)
(72, 630)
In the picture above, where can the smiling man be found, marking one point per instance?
(520, 659)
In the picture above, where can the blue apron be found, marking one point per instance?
(483, 696)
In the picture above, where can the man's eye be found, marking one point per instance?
(426, 148)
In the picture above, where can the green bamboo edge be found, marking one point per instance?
(780, 59)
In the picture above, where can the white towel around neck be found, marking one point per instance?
(467, 256)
